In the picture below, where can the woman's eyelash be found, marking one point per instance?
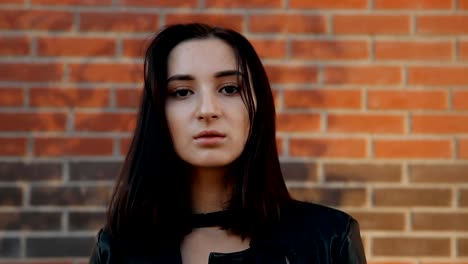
(181, 92)
(234, 87)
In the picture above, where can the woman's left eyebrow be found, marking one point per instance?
(227, 73)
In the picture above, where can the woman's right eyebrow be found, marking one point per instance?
(181, 77)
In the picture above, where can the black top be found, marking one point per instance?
(307, 233)
(240, 257)
(219, 218)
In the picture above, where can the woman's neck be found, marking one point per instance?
(209, 189)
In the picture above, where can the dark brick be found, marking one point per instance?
(94, 171)
(299, 171)
(86, 220)
(11, 196)
(19, 171)
(70, 195)
(440, 221)
(34, 221)
(464, 198)
(439, 173)
(331, 196)
(338, 172)
(410, 246)
(9, 247)
(59, 246)
(380, 220)
(412, 197)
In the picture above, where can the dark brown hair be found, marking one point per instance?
(152, 193)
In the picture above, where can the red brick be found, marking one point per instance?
(12, 46)
(31, 72)
(414, 149)
(270, 48)
(56, 147)
(124, 145)
(13, 146)
(463, 50)
(463, 148)
(329, 49)
(118, 22)
(328, 147)
(460, 100)
(283, 23)
(279, 145)
(411, 247)
(414, 4)
(71, 97)
(439, 221)
(276, 98)
(36, 20)
(330, 4)
(446, 75)
(413, 50)
(135, 47)
(105, 122)
(440, 124)
(73, 2)
(359, 123)
(234, 22)
(244, 4)
(11, 97)
(442, 24)
(412, 197)
(298, 122)
(37, 121)
(128, 97)
(160, 3)
(323, 98)
(291, 74)
(379, 221)
(106, 72)
(75, 46)
(38, 262)
(463, 4)
(330, 196)
(12, 2)
(438, 173)
(371, 24)
(362, 75)
(407, 100)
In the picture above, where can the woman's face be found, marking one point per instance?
(207, 118)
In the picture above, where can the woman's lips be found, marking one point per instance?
(209, 138)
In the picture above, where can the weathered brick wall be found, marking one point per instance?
(372, 114)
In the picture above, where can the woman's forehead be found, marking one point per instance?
(201, 57)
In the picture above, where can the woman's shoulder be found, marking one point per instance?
(310, 216)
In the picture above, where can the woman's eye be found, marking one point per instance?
(230, 89)
(180, 93)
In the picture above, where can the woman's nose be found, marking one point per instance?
(209, 107)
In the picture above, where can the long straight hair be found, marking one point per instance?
(152, 192)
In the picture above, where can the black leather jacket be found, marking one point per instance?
(308, 233)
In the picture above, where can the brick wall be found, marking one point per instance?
(372, 105)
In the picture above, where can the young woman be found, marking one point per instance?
(202, 182)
